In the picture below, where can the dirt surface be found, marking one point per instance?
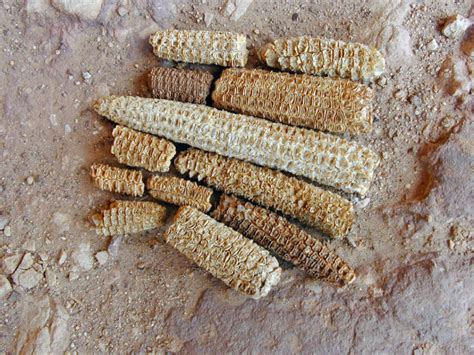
(412, 245)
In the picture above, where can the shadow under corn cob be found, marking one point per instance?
(142, 150)
(334, 105)
(322, 209)
(118, 180)
(205, 47)
(180, 84)
(325, 158)
(225, 253)
(286, 240)
(321, 56)
(124, 217)
(179, 192)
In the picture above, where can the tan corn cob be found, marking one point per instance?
(124, 217)
(320, 56)
(286, 240)
(179, 192)
(142, 150)
(226, 254)
(205, 47)
(328, 159)
(325, 104)
(180, 84)
(122, 181)
(322, 209)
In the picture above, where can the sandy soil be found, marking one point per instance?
(412, 245)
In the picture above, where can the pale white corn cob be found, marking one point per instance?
(179, 192)
(142, 150)
(321, 56)
(225, 253)
(327, 159)
(122, 181)
(205, 47)
(124, 217)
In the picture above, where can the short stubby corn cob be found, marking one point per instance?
(180, 192)
(225, 253)
(283, 238)
(142, 150)
(322, 209)
(334, 105)
(122, 181)
(320, 56)
(206, 47)
(124, 217)
(327, 159)
(180, 84)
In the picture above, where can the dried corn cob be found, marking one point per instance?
(286, 240)
(123, 217)
(325, 158)
(322, 56)
(143, 150)
(122, 181)
(180, 192)
(325, 210)
(205, 47)
(226, 254)
(180, 84)
(299, 100)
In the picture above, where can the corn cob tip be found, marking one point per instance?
(101, 104)
(264, 54)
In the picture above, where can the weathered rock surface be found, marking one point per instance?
(45, 327)
(84, 9)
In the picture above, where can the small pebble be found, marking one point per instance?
(382, 81)
(7, 231)
(30, 180)
(122, 11)
(432, 45)
(62, 257)
(3, 222)
(450, 244)
(399, 94)
(87, 77)
(294, 17)
(102, 257)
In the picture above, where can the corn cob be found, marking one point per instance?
(226, 254)
(122, 181)
(123, 217)
(180, 84)
(205, 47)
(299, 100)
(179, 192)
(286, 240)
(322, 56)
(327, 159)
(142, 150)
(325, 210)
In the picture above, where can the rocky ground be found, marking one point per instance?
(63, 288)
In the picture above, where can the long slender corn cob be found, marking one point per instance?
(142, 150)
(226, 254)
(124, 217)
(325, 210)
(337, 105)
(320, 56)
(205, 47)
(180, 84)
(179, 192)
(122, 181)
(327, 159)
(286, 240)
